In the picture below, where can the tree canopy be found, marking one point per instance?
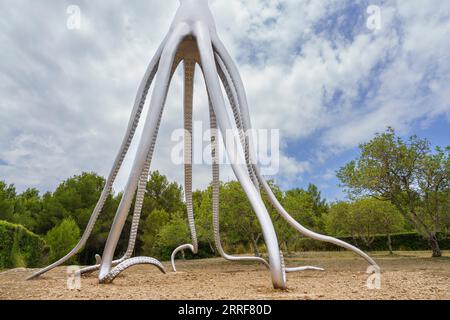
(409, 174)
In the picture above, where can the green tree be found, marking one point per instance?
(77, 196)
(338, 219)
(299, 204)
(369, 217)
(74, 198)
(163, 195)
(152, 226)
(51, 214)
(202, 203)
(7, 201)
(173, 233)
(391, 221)
(27, 208)
(285, 233)
(408, 174)
(320, 206)
(62, 239)
(305, 206)
(100, 233)
(238, 221)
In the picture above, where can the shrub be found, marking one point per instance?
(62, 239)
(20, 247)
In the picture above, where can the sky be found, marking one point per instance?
(323, 72)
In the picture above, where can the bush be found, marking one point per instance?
(20, 247)
(175, 233)
(400, 242)
(62, 239)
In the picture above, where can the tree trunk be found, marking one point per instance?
(255, 246)
(287, 247)
(389, 242)
(435, 246)
(258, 237)
(213, 250)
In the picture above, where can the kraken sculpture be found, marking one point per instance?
(192, 40)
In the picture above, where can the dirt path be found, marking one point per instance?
(409, 275)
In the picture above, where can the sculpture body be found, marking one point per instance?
(192, 39)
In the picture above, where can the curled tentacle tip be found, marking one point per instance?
(174, 268)
(318, 269)
(159, 265)
(174, 253)
(109, 277)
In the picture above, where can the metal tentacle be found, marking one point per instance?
(228, 62)
(148, 136)
(195, 20)
(178, 249)
(131, 129)
(138, 204)
(136, 216)
(230, 90)
(237, 158)
(238, 118)
(128, 264)
(189, 72)
(143, 184)
(215, 194)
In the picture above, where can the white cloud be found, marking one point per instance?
(412, 84)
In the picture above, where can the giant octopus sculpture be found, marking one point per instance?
(193, 40)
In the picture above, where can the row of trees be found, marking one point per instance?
(393, 186)
(61, 215)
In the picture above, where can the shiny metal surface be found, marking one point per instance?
(192, 39)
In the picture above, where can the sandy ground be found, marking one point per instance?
(406, 275)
